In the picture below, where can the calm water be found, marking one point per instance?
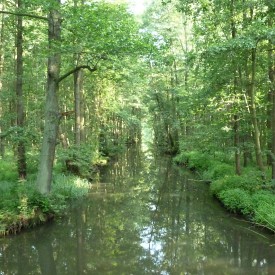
(145, 216)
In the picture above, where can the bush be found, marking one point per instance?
(245, 182)
(194, 160)
(264, 203)
(22, 206)
(218, 170)
(237, 201)
(239, 194)
(70, 187)
(8, 170)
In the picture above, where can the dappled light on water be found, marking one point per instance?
(144, 216)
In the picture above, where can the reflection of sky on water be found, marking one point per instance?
(149, 243)
(154, 248)
(146, 218)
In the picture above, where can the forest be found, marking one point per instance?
(80, 81)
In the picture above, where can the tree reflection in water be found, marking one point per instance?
(146, 216)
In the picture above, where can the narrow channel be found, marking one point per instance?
(145, 215)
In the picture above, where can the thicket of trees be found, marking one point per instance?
(66, 84)
(200, 72)
(212, 83)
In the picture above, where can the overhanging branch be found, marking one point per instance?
(25, 15)
(75, 70)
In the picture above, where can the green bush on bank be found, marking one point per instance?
(242, 194)
(22, 206)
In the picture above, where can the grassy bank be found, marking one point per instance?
(246, 194)
(21, 206)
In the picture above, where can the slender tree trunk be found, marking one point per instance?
(235, 116)
(52, 115)
(79, 113)
(271, 74)
(21, 151)
(253, 112)
(237, 145)
(269, 127)
(78, 96)
(2, 147)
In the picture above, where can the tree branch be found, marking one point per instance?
(75, 70)
(25, 14)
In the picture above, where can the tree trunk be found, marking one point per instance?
(235, 116)
(21, 151)
(52, 115)
(271, 92)
(79, 114)
(253, 112)
(2, 147)
(271, 73)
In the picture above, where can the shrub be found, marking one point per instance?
(264, 203)
(181, 158)
(8, 170)
(218, 170)
(199, 161)
(237, 201)
(70, 186)
(245, 182)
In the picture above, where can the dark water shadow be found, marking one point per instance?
(145, 216)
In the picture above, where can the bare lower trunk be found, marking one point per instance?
(272, 88)
(21, 151)
(271, 76)
(236, 124)
(52, 115)
(79, 116)
(2, 147)
(253, 112)
(237, 145)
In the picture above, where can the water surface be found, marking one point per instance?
(144, 216)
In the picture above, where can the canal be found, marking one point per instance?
(144, 216)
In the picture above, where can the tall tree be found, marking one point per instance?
(2, 7)
(21, 151)
(52, 115)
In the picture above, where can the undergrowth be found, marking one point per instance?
(21, 206)
(246, 194)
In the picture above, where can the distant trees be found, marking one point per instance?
(220, 58)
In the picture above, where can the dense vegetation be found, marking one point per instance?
(199, 74)
(68, 100)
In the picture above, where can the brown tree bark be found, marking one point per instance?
(2, 146)
(271, 76)
(79, 112)
(253, 111)
(235, 116)
(21, 151)
(52, 115)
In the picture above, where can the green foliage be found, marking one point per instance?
(77, 159)
(217, 170)
(194, 160)
(112, 30)
(70, 187)
(8, 170)
(237, 200)
(22, 206)
(264, 204)
(38, 201)
(247, 182)
(239, 194)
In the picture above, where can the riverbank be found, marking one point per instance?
(21, 206)
(247, 194)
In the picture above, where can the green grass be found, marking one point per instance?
(22, 206)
